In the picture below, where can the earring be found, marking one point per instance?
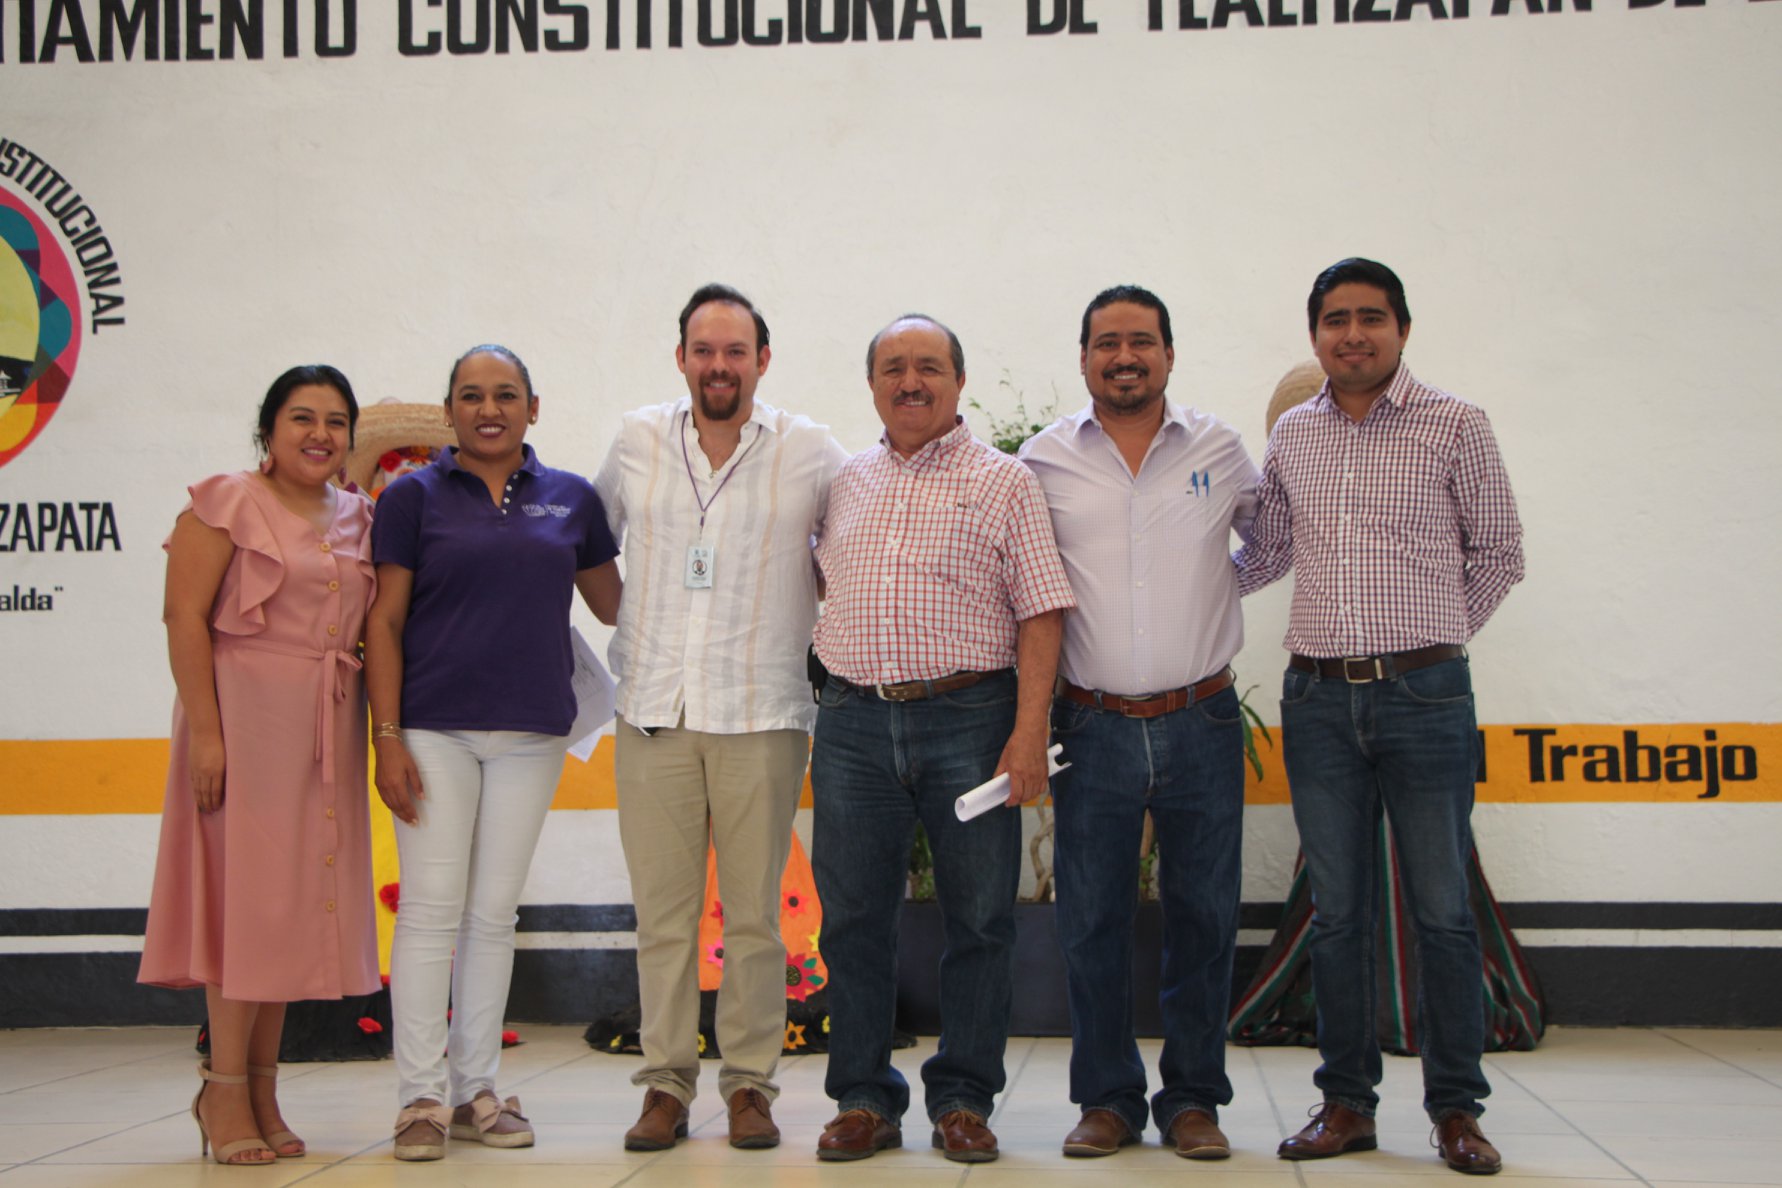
(266, 465)
(533, 420)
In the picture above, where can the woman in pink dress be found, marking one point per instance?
(262, 889)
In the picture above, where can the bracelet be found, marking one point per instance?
(387, 730)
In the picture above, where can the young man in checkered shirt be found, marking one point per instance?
(1388, 500)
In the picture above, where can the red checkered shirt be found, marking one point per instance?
(1401, 530)
(931, 561)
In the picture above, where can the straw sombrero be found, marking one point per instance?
(1299, 385)
(393, 426)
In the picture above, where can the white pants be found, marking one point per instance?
(464, 864)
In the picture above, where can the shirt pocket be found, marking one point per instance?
(953, 541)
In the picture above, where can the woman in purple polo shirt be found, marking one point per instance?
(468, 662)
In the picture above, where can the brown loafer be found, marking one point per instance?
(1195, 1135)
(751, 1121)
(1464, 1148)
(857, 1134)
(664, 1119)
(1333, 1130)
(1100, 1131)
(962, 1136)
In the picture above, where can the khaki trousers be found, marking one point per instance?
(677, 788)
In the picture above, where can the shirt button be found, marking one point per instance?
(328, 861)
(329, 906)
(1140, 585)
(1141, 630)
(329, 814)
(334, 585)
(335, 630)
(326, 547)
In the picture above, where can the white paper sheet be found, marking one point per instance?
(594, 689)
(994, 792)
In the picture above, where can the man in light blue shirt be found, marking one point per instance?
(1144, 496)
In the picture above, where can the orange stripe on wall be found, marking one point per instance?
(1543, 764)
(127, 775)
(103, 775)
(1549, 764)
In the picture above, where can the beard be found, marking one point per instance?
(1132, 401)
(720, 408)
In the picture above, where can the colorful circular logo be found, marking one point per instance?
(39, 331)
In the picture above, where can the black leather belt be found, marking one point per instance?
(923, 690)
(1152, 705)
(1359, 670)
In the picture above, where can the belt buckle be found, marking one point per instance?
(1378, 669)
(899, 692)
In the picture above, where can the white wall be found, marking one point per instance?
(1582, 205)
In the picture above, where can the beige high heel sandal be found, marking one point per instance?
(227, 1152)
(283, 1138)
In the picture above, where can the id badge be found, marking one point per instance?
(700, 558)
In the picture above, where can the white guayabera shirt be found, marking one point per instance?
(729, 655)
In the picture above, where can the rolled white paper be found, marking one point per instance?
(993, 792)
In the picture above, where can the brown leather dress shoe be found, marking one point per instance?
(1100, 1131)
(751, 1121)
(1333, 1130)
(1195, 1135)
(664, 1120)
(857, 1134)
(963, 1137)
(1464, 1148)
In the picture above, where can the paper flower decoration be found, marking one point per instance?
(802, 976)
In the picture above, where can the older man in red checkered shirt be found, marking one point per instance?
(940, 634)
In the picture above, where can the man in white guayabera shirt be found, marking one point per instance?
(1144, 495)
(716, 497)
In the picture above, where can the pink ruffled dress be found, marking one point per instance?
(270, 897)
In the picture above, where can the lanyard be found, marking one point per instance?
(705, 504)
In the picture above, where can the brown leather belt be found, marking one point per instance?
(1154, 705)
(1360, 670)
(923, 690)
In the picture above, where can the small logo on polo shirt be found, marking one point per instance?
(545, 509)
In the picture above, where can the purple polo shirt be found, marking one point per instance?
(486, 646)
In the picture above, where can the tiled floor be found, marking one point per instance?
(1590, 1107)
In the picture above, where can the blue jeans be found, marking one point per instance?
(877, 767)
(1187, 768)
(1408, 746)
